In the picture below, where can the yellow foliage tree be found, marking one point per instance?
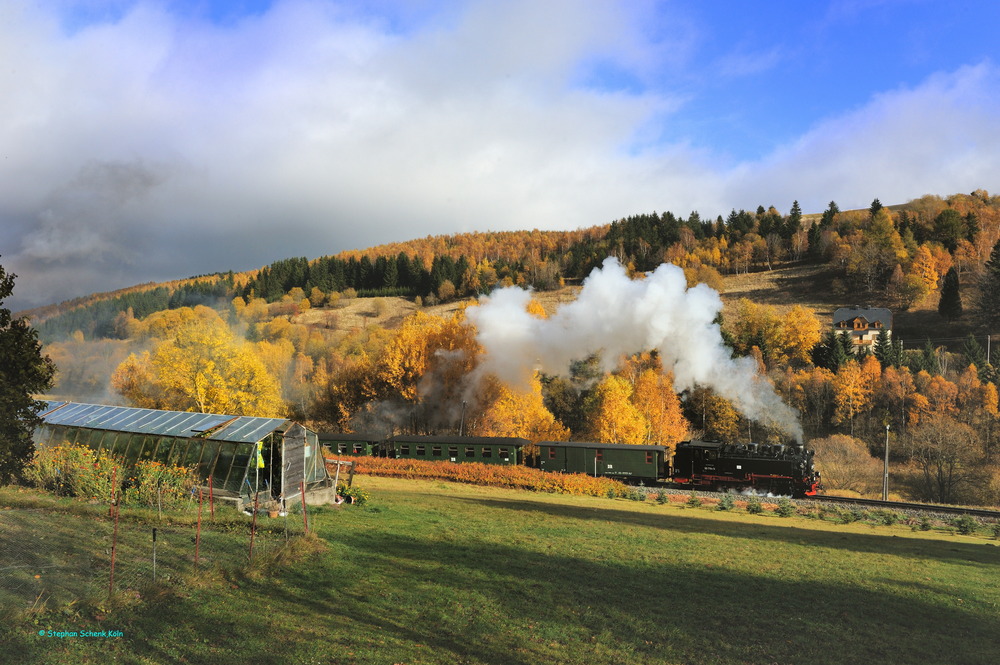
(613, 418)
(852, 393)
(203, 367)
(518, 413)
(655, 399)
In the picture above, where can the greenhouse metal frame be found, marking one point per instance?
(244, 456)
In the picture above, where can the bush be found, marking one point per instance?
(754, 506)
(355, 495)
(966, 524)
(852, 515)
(924, 524)
(73, 470)
(726, 502)
(662, 498)
(885, 517)
(155, 483)
(694, 501)
(785, 508)
(996, 531)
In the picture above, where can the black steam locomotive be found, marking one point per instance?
(777, 469)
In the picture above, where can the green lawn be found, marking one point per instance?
(430, 572)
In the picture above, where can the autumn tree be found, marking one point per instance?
(203, 367)
(613, 418)
(654, 397)
(852, 392)
(24, 371)
(846, 464)
(520, 413)
(946, 451)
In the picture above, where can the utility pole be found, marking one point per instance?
(885, 467)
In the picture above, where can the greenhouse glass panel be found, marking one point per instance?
(223, 466)
(97, 439)
(193, 454)
(206, 467)
(161, 448)
(134, 443)
(178, 453)
(241, 460)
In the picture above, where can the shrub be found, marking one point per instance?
(996, 531)
(852, 515)
(355, 495)
(662, 498)
(754, 506)
(726, 502)
(966, 524)
(694, 501)
(73, 470)
(493, 475)
(924, 524)
(885, 517)
(155, 483)
(785, 508)
(635, 494)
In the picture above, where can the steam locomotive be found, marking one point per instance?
(775, 469)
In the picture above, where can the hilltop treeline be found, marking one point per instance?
(894, 257)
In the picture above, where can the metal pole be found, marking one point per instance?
(885, 467)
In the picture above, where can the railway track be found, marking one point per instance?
(899, 505)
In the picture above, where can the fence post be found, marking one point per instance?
(305, 515)
(154, 555)
(253, 528)
(211, 499)
(114, 537)
(197, 537)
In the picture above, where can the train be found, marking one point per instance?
(782, 470)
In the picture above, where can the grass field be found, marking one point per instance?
(430, 572)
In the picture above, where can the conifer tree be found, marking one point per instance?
(24, 371)
(950, 305)
(987, 308)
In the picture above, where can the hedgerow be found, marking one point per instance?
(493, 475)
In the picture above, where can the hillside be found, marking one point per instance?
(436, 573)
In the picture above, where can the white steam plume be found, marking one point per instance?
(617, 316)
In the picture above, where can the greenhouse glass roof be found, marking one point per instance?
(240, 429)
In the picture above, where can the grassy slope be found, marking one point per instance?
(441, 573)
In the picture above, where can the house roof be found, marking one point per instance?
(870, 314)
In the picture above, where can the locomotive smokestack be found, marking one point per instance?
(616, 316)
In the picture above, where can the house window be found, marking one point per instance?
(505, 453)
(470, 451)
(404, 450)
(421, 451)
(487, 451)
(552, 453)
(436, 451)
(342, 448)
(357, 449)
(452, 451)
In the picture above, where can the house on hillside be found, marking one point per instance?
(863, 324)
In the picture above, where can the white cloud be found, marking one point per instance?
(307, 130)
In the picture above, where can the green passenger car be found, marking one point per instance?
(488, 450)
(646, 463)
(350, 444)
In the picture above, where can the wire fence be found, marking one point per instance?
(54, 558)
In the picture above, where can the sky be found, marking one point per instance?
(148, 141)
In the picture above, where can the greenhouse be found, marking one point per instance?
(238, 456)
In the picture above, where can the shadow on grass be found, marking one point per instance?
(765, 529)
(390, 592)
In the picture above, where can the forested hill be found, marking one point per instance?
(893, 256)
